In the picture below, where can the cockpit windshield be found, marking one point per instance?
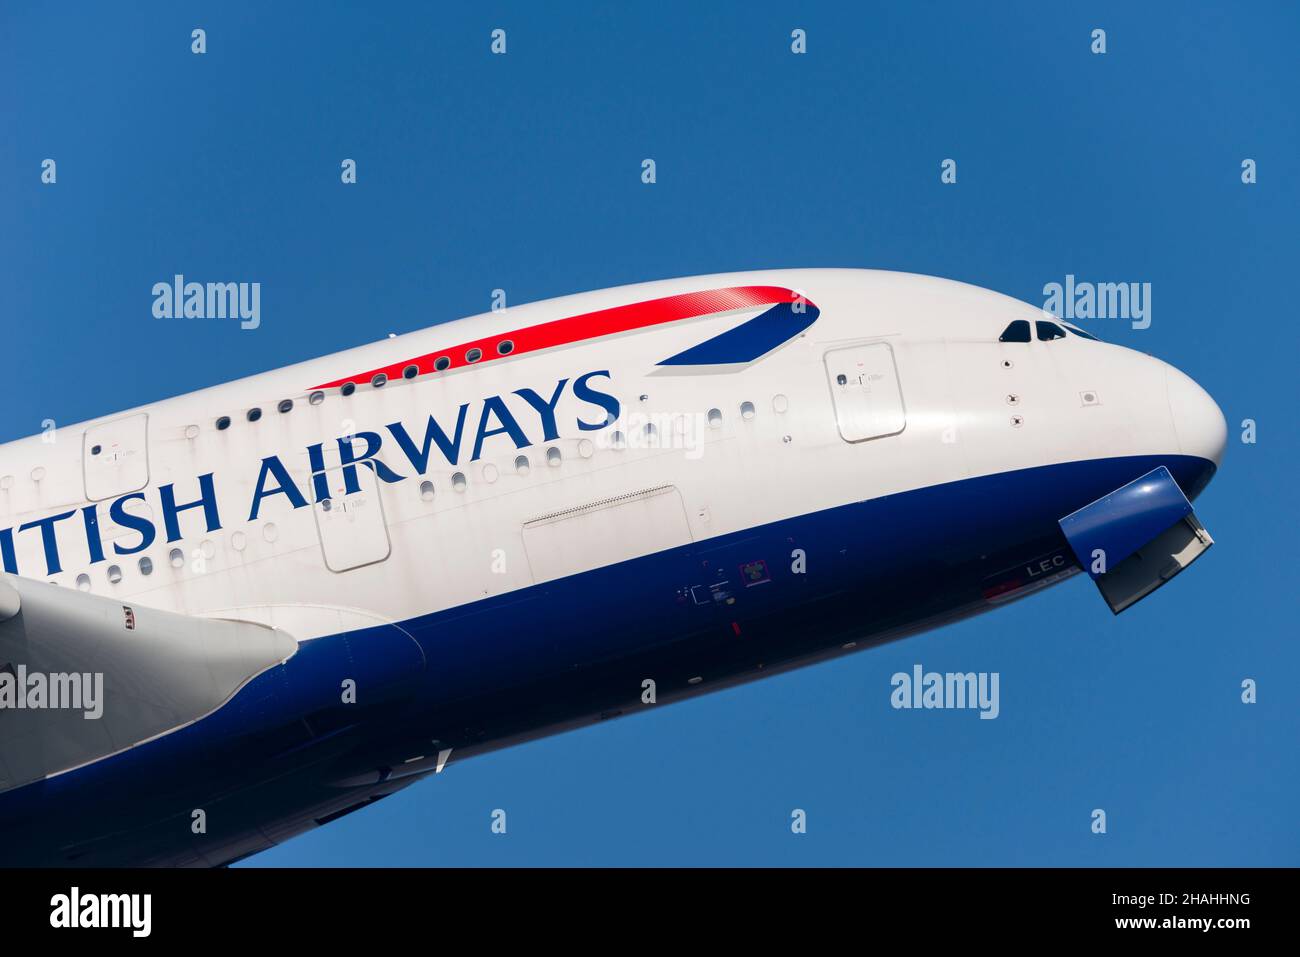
(1045, 330)
(1080, 333)
(1018, 331)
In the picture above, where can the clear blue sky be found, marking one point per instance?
(523, 172)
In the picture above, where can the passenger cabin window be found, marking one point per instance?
(1018, 331)
(1047, 331)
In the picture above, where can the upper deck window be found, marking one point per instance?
(1018, 331)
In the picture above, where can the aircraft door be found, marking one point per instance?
(115, 457)
(866, 392)
(351, 524)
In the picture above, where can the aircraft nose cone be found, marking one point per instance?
(1198, 420)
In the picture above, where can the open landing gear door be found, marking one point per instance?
(1136, 538)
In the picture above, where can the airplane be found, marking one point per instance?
(292, 595)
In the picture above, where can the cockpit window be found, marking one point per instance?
(1080, 333)
(1047, 331)
(1018, 331)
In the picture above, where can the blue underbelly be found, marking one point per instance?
(561, 653)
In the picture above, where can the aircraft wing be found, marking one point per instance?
(84, 676)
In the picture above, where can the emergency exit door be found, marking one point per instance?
(865, 389)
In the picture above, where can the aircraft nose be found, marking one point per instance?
(1198, 420)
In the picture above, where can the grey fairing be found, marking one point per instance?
(166, 671)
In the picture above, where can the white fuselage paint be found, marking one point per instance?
(974, 406)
